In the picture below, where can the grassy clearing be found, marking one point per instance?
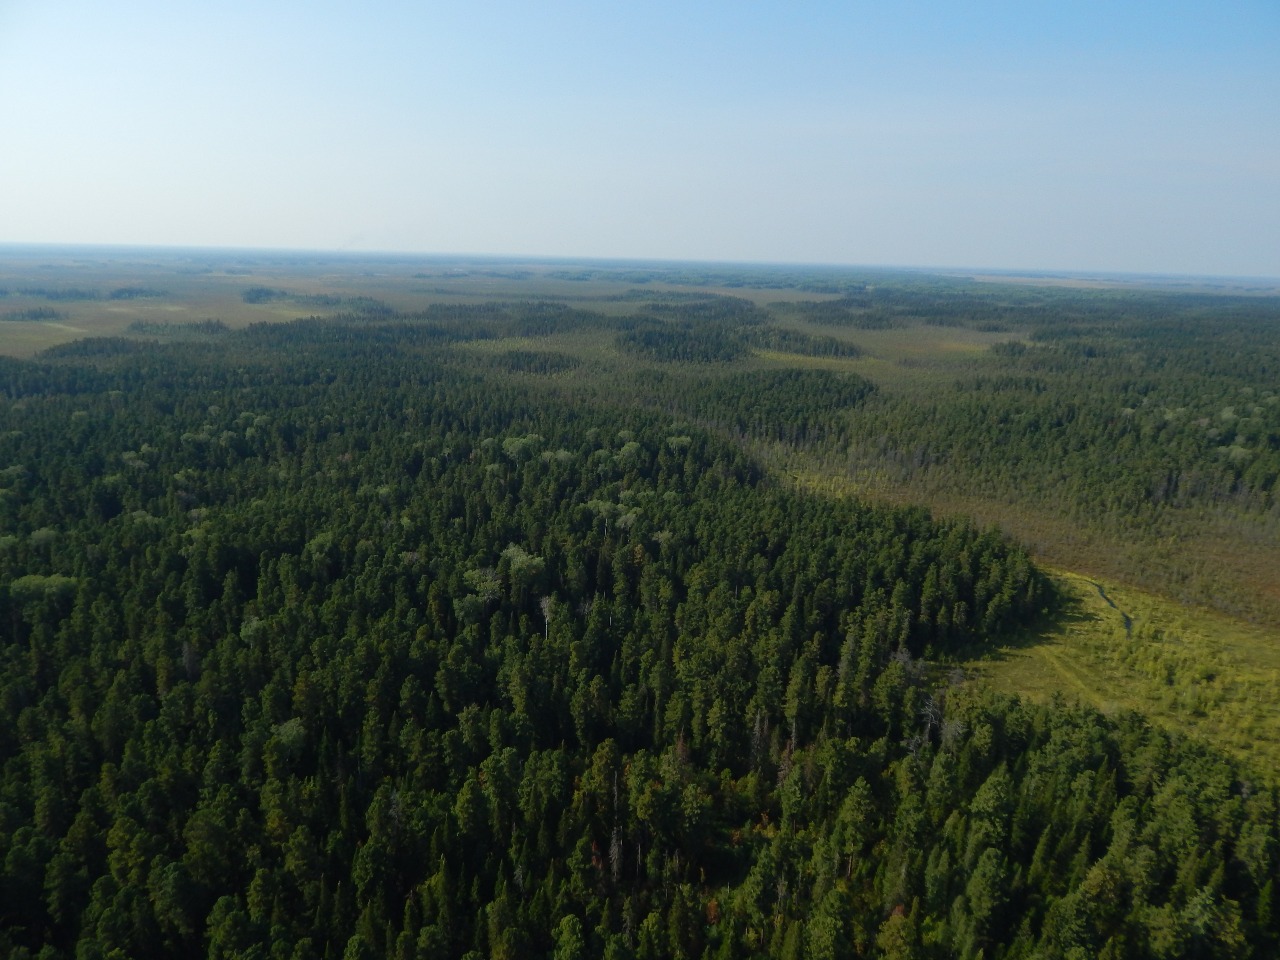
(924, 342)
(902, 358)
(800, 361)
(24, 338)
(1189, 670)
(589, 345)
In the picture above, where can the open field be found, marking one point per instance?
(1187, 669)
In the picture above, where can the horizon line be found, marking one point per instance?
(1058, 273)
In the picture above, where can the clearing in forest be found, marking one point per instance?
(1187, 669)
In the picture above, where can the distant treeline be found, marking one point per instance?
(164, 328)
(363, 306)
(78, 293)
(34, 314)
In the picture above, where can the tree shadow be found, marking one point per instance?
(1063, 614)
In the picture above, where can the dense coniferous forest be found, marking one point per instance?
(1189, 400)
(413, 635)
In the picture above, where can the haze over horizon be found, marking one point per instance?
(1089, 138)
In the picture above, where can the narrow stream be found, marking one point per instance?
(1128, 622)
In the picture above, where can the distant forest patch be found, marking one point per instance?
(162, 328)
(36, 314)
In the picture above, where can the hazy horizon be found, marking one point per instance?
(1078, 140)
(119, 252)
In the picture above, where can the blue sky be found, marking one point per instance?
(1074, 136)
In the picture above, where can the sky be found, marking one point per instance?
(1030, 135)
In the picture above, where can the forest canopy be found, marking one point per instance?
(407, 635)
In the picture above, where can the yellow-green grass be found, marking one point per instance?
(601, 365)
(778, 358)
(106, 318)
(24, 338)
(924, 342)
(916, 341)
(1189, 670)
(900, 358)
